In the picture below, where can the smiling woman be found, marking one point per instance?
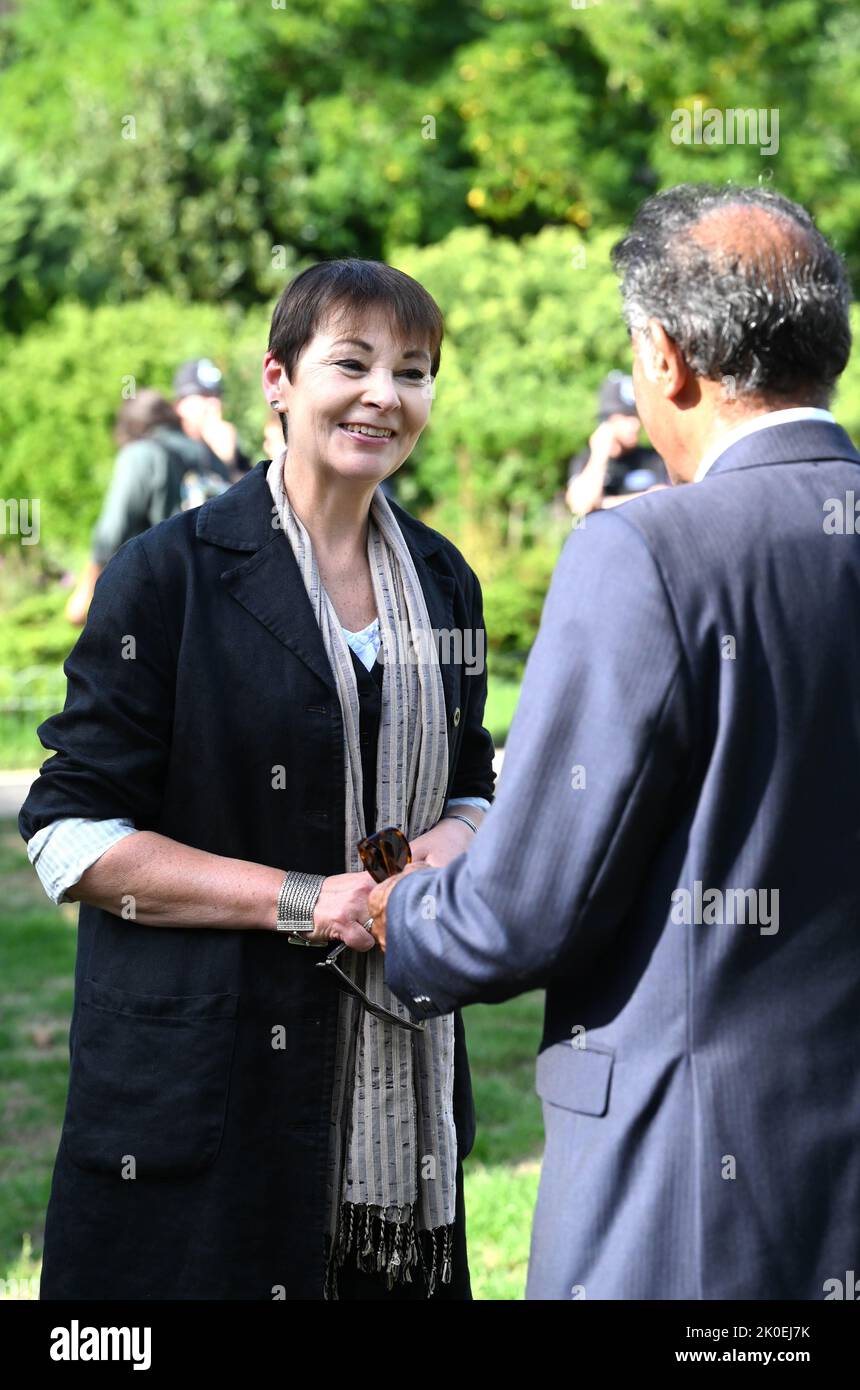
(353, 350)
(285, 1140)
(366, 342)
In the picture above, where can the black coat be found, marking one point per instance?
(200, 671)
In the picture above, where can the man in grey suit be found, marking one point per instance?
(674, 850)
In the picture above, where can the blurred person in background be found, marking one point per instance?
(614, 467)
(197, 390)
(158, 471)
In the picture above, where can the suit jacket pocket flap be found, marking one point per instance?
(575, 1078)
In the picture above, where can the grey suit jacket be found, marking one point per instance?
(674, 854)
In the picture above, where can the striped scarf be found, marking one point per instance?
(393, 1145)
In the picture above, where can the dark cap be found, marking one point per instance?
(198, 378)
(616, 396)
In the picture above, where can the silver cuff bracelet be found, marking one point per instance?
(296, 902)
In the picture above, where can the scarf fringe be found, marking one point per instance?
(393, 1248)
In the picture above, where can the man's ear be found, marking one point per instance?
(662, 359)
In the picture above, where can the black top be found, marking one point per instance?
(239, 463)
(632, 471)
(370, 712)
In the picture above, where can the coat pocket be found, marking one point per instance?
(575, 1078)
(149, 1081)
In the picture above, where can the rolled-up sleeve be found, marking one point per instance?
(62, 851)
(112, 737)
(480, 801)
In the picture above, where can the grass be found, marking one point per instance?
(501, 1173)
(502, 696)
(37, 952)
(19, 746)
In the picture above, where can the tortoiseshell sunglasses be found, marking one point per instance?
(383, 854)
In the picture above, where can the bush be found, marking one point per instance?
(62, 383)
(532, 328)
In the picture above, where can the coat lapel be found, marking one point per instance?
(270, 587)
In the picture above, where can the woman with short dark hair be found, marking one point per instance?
(258, 689)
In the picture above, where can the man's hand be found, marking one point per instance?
(585, 490)
(220, 435)
(604, 442)
(379, 898)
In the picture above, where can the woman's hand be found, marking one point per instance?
(341, 911)
(437, 847)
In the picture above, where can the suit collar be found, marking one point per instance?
(798, 441)
(268, 584)
(766, 420)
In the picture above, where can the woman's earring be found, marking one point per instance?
(276, 405)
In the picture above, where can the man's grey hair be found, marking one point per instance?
(775, 322)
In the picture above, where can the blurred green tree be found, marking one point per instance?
(166, 167)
